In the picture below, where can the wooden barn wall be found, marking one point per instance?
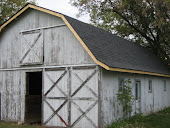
(150, 102)
(60, 45)
(60, 48)
(12, 89)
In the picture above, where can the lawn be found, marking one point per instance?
(14, 125)
(156, 120)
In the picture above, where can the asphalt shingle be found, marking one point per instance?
(117, 52)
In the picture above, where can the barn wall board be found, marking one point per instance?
(150, 102)
(10, 47)
(12, 95)
(62, 48)
(56, 42)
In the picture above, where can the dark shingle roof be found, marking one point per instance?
(115, 51)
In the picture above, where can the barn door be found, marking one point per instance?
(138, 96)
(31, 47)
(71, 97)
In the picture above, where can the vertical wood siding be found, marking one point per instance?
(60, 45)
(11, 41)
(0, 106)
(71, 98)
(12, 95)
(150, 102)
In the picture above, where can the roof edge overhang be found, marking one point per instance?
(79, 39)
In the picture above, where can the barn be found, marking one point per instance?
(58, 71)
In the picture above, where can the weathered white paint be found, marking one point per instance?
(32, 48)
(59, 45)
(150, 102)
(58, 42)
(75, 97)
(59, 49)
(13, 94)
(55, 48)
(42, 67)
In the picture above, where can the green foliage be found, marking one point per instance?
(126, 98)
(145, 21)
(10, 7)
(156, 120)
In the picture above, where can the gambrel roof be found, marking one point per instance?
(106, 49)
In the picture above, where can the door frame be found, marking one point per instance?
(27, 71)
(139, 96)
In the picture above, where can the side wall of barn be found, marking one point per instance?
(151, 102)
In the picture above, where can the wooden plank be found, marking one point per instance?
(69, 94)
(84, 82)
(47, 68)
(86, 85)
(42, 107)
(84, 113)
(55, 113)
(36, 29)
(31, 49)
(0, 106)
(74, 98)
(100, 116)
(55, 83)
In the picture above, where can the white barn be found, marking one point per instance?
(61, 72)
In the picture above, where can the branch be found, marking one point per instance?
(125, 19)
(151, 33)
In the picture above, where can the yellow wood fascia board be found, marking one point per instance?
(12, 18)
(45, 10)
(138, 72)
(83, 44)
(79, 39)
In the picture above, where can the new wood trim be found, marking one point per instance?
(45, 10)
(138, 72)
(79, 39)
(12, 18)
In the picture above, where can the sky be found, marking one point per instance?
(64, 7)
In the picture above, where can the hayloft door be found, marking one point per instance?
(31, 47)
(137, 96)
(71, 97)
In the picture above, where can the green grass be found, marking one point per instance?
(156, 120)
(14, 125)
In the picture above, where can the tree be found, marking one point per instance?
(10, 7)
(146, 22)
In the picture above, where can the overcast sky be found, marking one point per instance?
(62, 6)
